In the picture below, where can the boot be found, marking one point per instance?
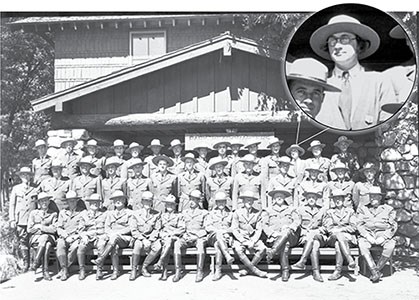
(64, 270)
(316, 266)
(245, 260)
(375, 275)
(337, 273)
(200, 267)
(301, 263)
(101, 258)
(38, 258)
(255, 260)
(135, 261)
(382, 262)
(99, 273)
(115, 265)
(178, 267)
(218, 263)
(344, 246)
(279, 243)
(224, 249)
(71, 257)
(45, 272)
(25, 257)
(163, 276)
(82, 265)
(163, 256)
(285, 268)
(148, 260)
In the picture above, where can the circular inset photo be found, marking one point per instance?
(351, 67)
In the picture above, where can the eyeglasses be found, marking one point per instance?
(344, 40)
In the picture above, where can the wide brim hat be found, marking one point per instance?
(165, 158)
(295, 146)
(251, 143)
(309, 192)
(249, 158)
(175, 143)
(170, 199)
(248, 195)
(339, 166)
(147, 196)
(189, 156)
(94, 197)
(338, 193)
(343, 139)
(392, 108)
(118, 194)
(274, 141)
(217, 162)
(220, 196)
(236, 144)
(42, 196)
(313, 167)
(397, 32)
(202, 147)
(112, 161)
(85, 161)
(344, 23)
(284, 160)
(136, 162)
(118, 143)
(24, 170)
(315, 143)
(195, 194)
(134, 145)
(222, 142)
(40, 143)
(285, 192)
(71, 195)
(155, 142)
(375, 190)
(68, 140)
(368, 166)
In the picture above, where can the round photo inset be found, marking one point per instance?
(351, 67)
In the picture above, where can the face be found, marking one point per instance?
(202, 152)
(138, 170)
(311, 199)
(147, 204)
(278, 199)
(375, 200)
(283, 168)
(222, 149)
(235, 149)
(369, 174)
(253, 149)
(220, 204)
(343, 147)
(91, 150)
(85, 169)
(294, 154)
(248, 202)
(42, 150)
(119, 150)
(189, 164)
(275, 148)
(339, 201)
(56, 172)
(317, 151)
(340, 173)
(111, 170)
(343, 53)
(177, 150)
(43, 204)
(170, 207)
(119, 203)
(155, 149)
(94, 205)
(248, 166)
(72, 203)
(135, 152)
(219, 169)
(308, 96)
(162, 165)
(68, 146)
(313, 174)
(194, 202)
(25, 177)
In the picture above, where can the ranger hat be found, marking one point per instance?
(284, 160)
(297, 147)
(217, 161)
(189, 156)
(135, 162)
(273, 141)
(94, 197)
(40, 143)
(339, 166)
(117, 143)
(155, 142)
(251, 143)
(312, 192)
(195, 194)
(56, 163)
(338, 193)
(86, 161)
(202, 147)
(248, 158)
(134, 145)
(112, 161)
(220, 196)
(313, 167)
(71, 195)
(147, 196)
(118, 194)
(315, 143)
(42, 196)
(175, 143)
(216, 145)
(167, 159)
(236, 144)
(170, 199)
(343, 139)
(24, 170)
(68, 140)
(248, 194)
(369, 166)
(280, 190)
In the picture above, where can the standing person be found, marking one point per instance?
(295, 152)
(221, 148)
(281, 225)
(117, 232)
(155, 147)
(202, 163)
(342, 182)
(69, 158)
(163, 182)
(218, 182)
(42, 230)
(188, 180)
(86, 184)
(235, 158)
(145, 225)
(135, 150)
(22, 202)
(176, 146)
(247, 230)
(312, 182)
(42, 164)
(112, 182)
(218, 225)
(360, 192)
(339, 223)
(195, 235)
(345, 156)
(119, 150)
(92, 226)
(68, 230)
(96, 158)
(316, 148)
(345, 41)
(282, 180)
(137, 184)
(253, 148)
(376, 226)
(172, 227)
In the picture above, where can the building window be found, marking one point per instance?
(147, 45)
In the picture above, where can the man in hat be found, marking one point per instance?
(296, 170)
(282, 180)
(342, 183)
(281, 225)
(20, 205)
(41, 165)
(119, 150)
(307, 82)
(248, 178)
(92, 152)
(155, 148)
(172, 227)
(312, 182)
(377, 226)
(112, 182)
(316, 148)
(92, 231)
(176, 146)
(339, 224)
(253, 147)
(235, 158)
(345, 156)
(42, 230)
(345, 41)
(68, 230)
(69, 158)
(188, 180)
(86, 184)
(163, 182)
(247, 230)
(218, 225)
(360, 196)
(221, 148)
(57, 185)
(202, 163)
(195, 235)
(145, 225)
(219, 181)
(137, 184)
(311, 235)
(135, 150)
(117, 232)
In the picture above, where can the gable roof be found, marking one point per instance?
(225, 41)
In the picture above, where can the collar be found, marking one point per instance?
(353, 72)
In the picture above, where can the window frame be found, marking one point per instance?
(132, 33)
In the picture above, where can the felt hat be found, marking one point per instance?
(297, 147)
(216, 145)
(175, 143)
(202, 147)
(190, 156)
(147, 196)
(195, 194)
(217, 161)
(135, 162)
(284, 160)
(248, 194)
(338, 193)
(94, 197)
(117, 143)
(369, 166)
(313, 167)
(274, 140)
(91, 143)
(251, 143)
(134, 145)
(71, 195)
(86, 161)
(155, 142)
(236, 144)
(24, 170)
(343, 139)
(248, 158)
(312, 192)
(68, 140)
(118, 194)
(42, 196)
(170, 199)
(315, 143)
(339, 166)
(165, 158)
(281, 190)
(56, 163)
(220, 196)
(112, 161)
(40, 143)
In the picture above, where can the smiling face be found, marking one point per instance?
(317, 151)
(119, 150)
(248, 166)
(278, 199)
(222, 149)
(344, 55)
(308, 96)
(370, 174)
(275, 148)
(253, 149)
(135, 152)
(44, 203)
(68, 146)
(313, 174)
(194, 203)
(162, 166)
(91, 150)
(111, 170)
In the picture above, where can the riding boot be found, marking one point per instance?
(148, 260)
(279, 243)
(218, 263)
(375, 275)
(178, 267)
(200, 267)
(248, 264)
(285, 268)
(45, 272)
(99, 272)
(62, 259)
(224, 249)
(134, 266)
(316, 266)
(163, 276)
(102, 256)
(344, 246)
(337, 273)
(163, 256)
(81, 257)
(25, 257)
(38, 258)
(382, 262)
(115, 264)
(301, 263)
(255, 260)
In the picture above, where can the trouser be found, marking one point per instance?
(220, 241)
(67, 249)
(86, 246)
(365, 246)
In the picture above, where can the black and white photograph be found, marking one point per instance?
(210, 154)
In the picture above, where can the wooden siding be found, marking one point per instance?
(209, 83)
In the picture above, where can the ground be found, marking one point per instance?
(403, 284)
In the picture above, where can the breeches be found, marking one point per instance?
(187, 242)
(146, 246)
(365, 246)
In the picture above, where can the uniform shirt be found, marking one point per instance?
(69, 162)
(244, 179)
(311, 217)
(149, 168)
(310, 185)
(324, 164)
(349, 159)
(201, 165)
(186, 183)
(215, 184)
(194, 222)
(379, 222)
(219, 220)
(161, 186)
(235, 166)
(246, 225)
(297, 169)
(360, 195)
(347, 186)
(370, 90)
(278, 218)
(135, 188)
(172, 224)
(40, 168)
(145, 224)
(110, 185)
(21, 203)
(47, 220)
(343, 220)
(85, 186)
(99, 162)
(178, 166)
(93, 223)
(281, 181)
(57, 188)
(117, 221)
(70, 222)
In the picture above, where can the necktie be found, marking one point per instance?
(345, 100)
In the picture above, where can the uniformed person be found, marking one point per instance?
(316, 148)
(346, 157)
(135, 150)
(119, 150)
(172, 227)
(42, 232)
(195, 235)
(22, 202)
(117, 232)
(312, 182)
(234, 157)
(137, 184)
(218, 225)
(92, 151)
(69, 158)
(145, 225)
(202, 162)
(295, 152)
(221, 148)
(163, 182)
(176, 147)
(41, 165)
(155, 148)
(219, 181)
(247, 230)
(92, 230)
(282, 180)
(342, 182)
(253, 147)
(86, 184)
(311, 236)
(376, 226)
(360, 196)
(68, 230)
(188, 180)
(112, 182)
(281, 225)
(339, 224)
